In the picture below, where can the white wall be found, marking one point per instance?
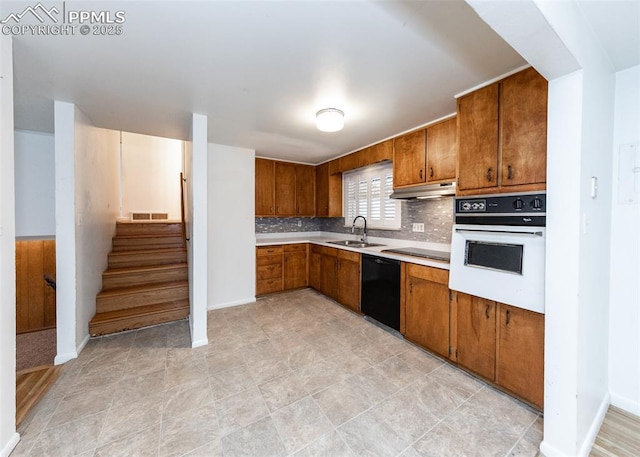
(87, 205)
(34, 184)
(198, 239)
(558, 41)
(151, 169)
(624, 308)
(97, 193)
(8, 436)
(65, 197)
(231, 226)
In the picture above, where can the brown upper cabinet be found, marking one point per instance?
(441, 151)
(328, 192)
(409, 159)
(284, 189)
(305, 190)
(265, 187)
(502, 136)
(368, 156)
(425, 156)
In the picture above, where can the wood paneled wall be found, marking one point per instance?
(35, 300)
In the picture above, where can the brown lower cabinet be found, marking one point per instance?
(281, 267)
(426, 307)
(348, 293)
(503, 344)
(295, 266)
(520, 353)
(329, 272)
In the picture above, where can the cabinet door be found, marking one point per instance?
(476, 334)
(329, 276)
(295, 270)
(285, 177)
(314, 271)
(441, 151)
(427, 314)
(305, 190)
(379, 153)
(349, 284)
(265, 187)
(520, 353)
(409, 159)
(478, 139)
(322, 190)
(523, 117)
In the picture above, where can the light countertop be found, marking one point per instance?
(325, 238)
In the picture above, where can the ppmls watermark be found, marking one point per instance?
(54, 21)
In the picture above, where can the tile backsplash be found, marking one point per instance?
(436, 215)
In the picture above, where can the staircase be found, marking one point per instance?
(146, 281)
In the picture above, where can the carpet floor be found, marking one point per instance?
(35, 349)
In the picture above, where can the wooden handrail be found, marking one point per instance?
(184, 225)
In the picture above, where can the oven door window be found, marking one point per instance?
(495, 256)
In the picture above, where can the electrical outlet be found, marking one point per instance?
(299, 223)
(418, 227)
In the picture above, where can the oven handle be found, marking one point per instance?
(499, 231)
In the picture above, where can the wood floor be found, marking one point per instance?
(619, 435)
(31, 385)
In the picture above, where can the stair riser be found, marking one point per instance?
(120, 325)
(136, 299)
(132, 229)
(143, 277)
(146, 259)
(133, 244)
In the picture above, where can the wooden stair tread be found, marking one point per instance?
(142, 288)
(31, 385)
(147, 251)
(148, 268)
(140, 310)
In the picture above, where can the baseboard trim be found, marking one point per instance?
(244, 301)
(199, 343)
(64, 358)
(83, 343)
(548, 450)
(592, 434)
(625, 403)
(10, 446)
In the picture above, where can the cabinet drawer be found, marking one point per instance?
(268, 250)
(332, 252)
(428, 273)
(269, 271)
(267, 286)
(269, 260)
(295, 247)
(349, 255)
(315, 249)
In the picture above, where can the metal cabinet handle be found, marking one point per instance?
(490, 174)
(508, 319)
(509, 172)
(421, 173)
(431, 172)
(410, 287)
(486, 312)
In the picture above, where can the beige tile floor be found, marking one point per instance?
(293, 374)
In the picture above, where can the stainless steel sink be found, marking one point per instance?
(355, 244)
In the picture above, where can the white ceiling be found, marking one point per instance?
(260, 70)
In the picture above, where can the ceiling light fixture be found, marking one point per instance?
(329, 120)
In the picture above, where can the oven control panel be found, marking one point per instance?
(503, 204)
(521, 209)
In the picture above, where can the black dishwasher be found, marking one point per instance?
(381, 290)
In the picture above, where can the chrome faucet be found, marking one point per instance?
(364, 228)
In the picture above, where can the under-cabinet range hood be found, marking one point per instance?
(425, 191)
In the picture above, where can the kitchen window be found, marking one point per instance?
(366, 193)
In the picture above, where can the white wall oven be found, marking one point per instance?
(498, 248)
